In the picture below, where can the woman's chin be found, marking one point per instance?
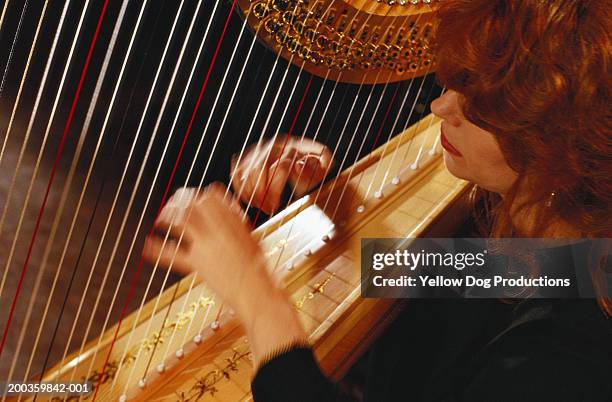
(453, 166)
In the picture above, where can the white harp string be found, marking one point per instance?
(216, 141)
(202, 177)
(412, 139)
(144, 162)
(266, 161)
(28, 131)
(187, 179)
(6, 3)
(275, 135)
(412, 166)
(228, 108)
(101, 136)
(366, 134)
(250, 167)
(320, 187)
(10, 58)
(59, 210)
(45, 137)
(405, 126)
(12, 119)
(269, 116)
(412, 108)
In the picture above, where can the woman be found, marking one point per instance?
(526, 119)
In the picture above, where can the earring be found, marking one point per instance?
(551, 198)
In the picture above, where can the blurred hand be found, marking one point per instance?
(218, 246)
(301, 163)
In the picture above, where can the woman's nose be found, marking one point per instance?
(447, 107)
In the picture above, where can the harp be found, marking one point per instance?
(179, 342)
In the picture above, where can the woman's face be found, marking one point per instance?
(470, 152)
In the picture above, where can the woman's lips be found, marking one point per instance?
(447, 145)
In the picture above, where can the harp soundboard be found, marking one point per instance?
(159, 356)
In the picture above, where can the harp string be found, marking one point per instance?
(31, 122)
(6, 3)
(276, 132)
(365, 196)
(45, 137)
(412, 108)
(290, 232)
(22, 150)
(259, 142)
(166, 353)
(59, 210)
(269, 153)
(141, 170)
(168, 140)
(344, 160)
(203, 290)
(338, 142)
(359, 152)
(405, 126)
(378, 164)
(68, 182)
(137, 273)
(258, 147)
(363, 142)
(200, 184)
(266, 161)
(10, 57)
(414, 165)
(273, 175)
(12, 118)
(382, 124)
(344, 6)
(103, 185)
(52, 175)
(171, 302)
(28, 131)
(284, 145)
(317, 131)
(180, 200)
(433, 148)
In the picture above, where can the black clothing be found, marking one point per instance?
(468, 350)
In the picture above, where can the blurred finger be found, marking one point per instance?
(257, 180)
(279, 173)
(173, 230)
(307, 173)
(213, 190)
(167, 255)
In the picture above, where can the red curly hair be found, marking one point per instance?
(537, 75)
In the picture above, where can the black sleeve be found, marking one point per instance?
(533, 364)
(294, 376)
(542, 377)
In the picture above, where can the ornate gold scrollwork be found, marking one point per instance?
(346, 41)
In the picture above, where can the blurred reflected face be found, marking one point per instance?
(470, 152)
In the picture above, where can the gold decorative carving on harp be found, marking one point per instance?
(363, 41)
(183, 345)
